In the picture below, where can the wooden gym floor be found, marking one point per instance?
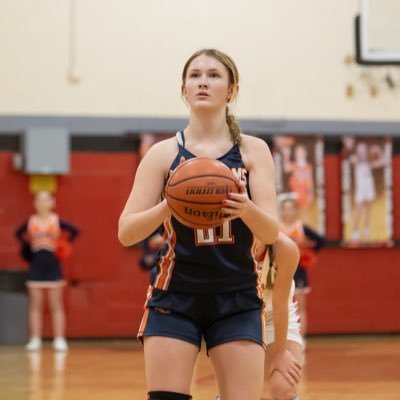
(345, 368)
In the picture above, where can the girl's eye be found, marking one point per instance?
(214, 75)
(194, 75)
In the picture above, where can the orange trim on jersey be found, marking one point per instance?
(145, 317)
(143, 324)
(263, 322)
(167, 261)
(257, 269)
(149, 295)
(44, 234)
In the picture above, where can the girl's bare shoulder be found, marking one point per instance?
(163, 153)
(253, 148)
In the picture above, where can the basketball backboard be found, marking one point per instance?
(377, 32)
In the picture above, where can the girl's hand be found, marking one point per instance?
(287, 365)
(236, 204)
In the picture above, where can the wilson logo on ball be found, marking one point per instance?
(207, 215)
(208, 190)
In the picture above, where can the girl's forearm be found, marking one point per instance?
(135, 227)
(263, 225)
(281, 318)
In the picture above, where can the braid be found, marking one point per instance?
(234, 127)
(271, 267)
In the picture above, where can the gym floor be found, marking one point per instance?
(343, 367)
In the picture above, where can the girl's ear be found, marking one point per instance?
(232, 92)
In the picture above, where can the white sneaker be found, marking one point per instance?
(60, 344)
(34, 344)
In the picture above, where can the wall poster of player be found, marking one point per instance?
(299, 170)
(367, 191)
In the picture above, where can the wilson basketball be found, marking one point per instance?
(196, 189)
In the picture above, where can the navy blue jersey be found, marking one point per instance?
(213, 260)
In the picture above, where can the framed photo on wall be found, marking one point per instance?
(367, 209)
(299, 171)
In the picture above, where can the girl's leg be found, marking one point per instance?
(55, 297)
(280, 388)
(169, 364)
(302, 304)
(356, 220)
(367, 217)
(239, 369)
(35, 311)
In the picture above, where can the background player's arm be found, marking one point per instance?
(286, 257)
(286, 267)
(287, 164)
(381, 160)
(314, 239)
(21, 233)
(71, 229)
(260, 213)
(144, 211)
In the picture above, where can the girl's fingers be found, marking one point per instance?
(297, 364)
(230, 212)
(237, 197)
(295, 375)
(242, 187)
(290, 379)
(231, 204)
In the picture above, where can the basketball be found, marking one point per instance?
(196, 189)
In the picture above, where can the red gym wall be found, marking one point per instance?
(354, 290)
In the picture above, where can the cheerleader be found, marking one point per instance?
(40, 238)
(309, 242)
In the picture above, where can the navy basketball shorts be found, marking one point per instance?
(218, 318)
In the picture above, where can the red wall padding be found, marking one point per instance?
(354, 290)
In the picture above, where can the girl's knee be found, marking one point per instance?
(280, 388)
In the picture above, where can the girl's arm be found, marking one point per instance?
(259, 213)
(71, 229)
(287, 164)
(318, 241)
(20, 233)
(287, 258)
(144, 211)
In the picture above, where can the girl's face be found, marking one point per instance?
(289, 211)
(300, 153)
(43, 202)
(362, 151)
(207, 84)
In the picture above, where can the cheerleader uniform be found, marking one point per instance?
(41, 237)
(300, 232)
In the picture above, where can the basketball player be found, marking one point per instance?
(281, 308)
(306, 238)
(279, 265)
(40, 234)
(205, 284)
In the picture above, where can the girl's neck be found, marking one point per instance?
(289, 222)
(44, 214)
(207, 125)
